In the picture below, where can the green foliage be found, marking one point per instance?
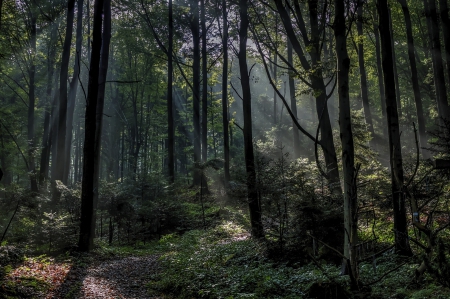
(223, 262)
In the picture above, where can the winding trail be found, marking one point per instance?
(123, 278)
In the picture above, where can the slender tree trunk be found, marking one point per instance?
(46, 139)
(362, 70)
(436, 56)
(345, 125)
(204, 85)
(225, 122)
(62, 118)
(104, 57)
(316, 79)
(73, 90)
(415, 80)
(443, 11)
(87, 219)
(254, 205)
(395, 153)
(170, 120)
(380, 80)
(394, 59)
(196, 89)
(295, 132)
(32, 100)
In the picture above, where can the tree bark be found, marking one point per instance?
(415, 80)
(225, 122)
(73, 90)
(204, 86)
(443, 11)
(295, 132)
(170, 120)
(318, 86)
(436, 56)
(87, 219)
(196, 89)
(394, 59)
(46, 139)
(346, 133)
(62, 117)
(395, 153)
(32, 101)
(362, 70)
(380, 80)
(254, 205)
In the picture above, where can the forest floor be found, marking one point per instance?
(91, 277)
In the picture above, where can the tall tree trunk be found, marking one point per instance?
(46, 139)
(196, 89)
(254, 205)
(443, 11)
(32, 100)
(316, 79)
(225, 122)
(295, 132)
(362, 70)
(87, 219)
(204, 85)
(380, 80)
(394, 59)
(170, 120)
(345, 125)
(415, 80)
(436, 56)
(62, 118)
(73, 89)
(104, 57)
(395, 149)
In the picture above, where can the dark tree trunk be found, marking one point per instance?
(362, 71)
(73, 90)
(395, 153)
(204, 85)
(104, 57)
(316, 79)
(254, 205)
(62, 118)
(394, 59)
(225, 122)
(436, 56)
(32, 100)
(415, 79)
(380, 80)
(295, 132)
(87, 219)
(443, 10)
(46, 139)
(196, 88)
(170, 120)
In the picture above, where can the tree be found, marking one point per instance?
(62, 117)
(254, 205)
(395, 149)
(87, 219)
(436, 56)
(225, 122)
(313, 45)
(415, 78)
(170, 120)
(362, 70)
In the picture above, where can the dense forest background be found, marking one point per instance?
(294, 139)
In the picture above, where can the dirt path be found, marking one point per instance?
(124, 278)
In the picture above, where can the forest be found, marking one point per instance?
(224, 149)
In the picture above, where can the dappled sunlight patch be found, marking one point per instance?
(36, 276)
